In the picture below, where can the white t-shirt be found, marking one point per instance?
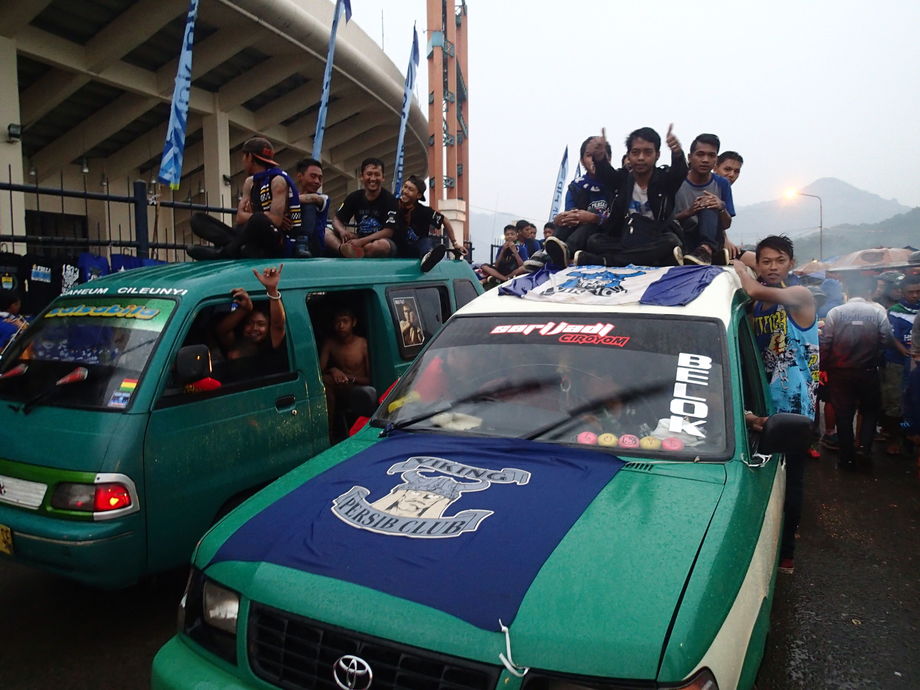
(639, 203)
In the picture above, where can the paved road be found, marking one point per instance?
(848, 617)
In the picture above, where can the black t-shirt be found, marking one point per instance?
(409, 227)
(13, 272)
(369, 216)
(47, 277)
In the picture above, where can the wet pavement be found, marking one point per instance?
(849, 617)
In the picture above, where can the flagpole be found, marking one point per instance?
(404, 118)
(174, 147)
(327, 77)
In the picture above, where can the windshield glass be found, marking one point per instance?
(635, 384)
(112, 338)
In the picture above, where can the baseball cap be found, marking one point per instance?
(261, 148)
(890, 276)
(419, 185)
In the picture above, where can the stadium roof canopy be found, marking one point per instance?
(95, 80)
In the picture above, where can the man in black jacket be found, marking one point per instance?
(642, 190)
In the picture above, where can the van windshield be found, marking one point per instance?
(637, 385)
(87, 353)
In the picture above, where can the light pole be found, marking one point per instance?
(794, 192)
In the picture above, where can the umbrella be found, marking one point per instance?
(878, 258)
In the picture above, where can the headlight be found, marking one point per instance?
(221, 607)
(208, 614)
(537, 680)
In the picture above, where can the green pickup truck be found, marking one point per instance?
(114, 461)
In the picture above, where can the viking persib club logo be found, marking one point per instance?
(416, 507)
(599, 283)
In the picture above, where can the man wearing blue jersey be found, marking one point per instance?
(786, 327)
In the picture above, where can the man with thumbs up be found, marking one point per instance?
(639, 228)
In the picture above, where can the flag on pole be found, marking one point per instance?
(404, 119)
(327, 77)
(560, 184)
(171, 163)
(577, 170)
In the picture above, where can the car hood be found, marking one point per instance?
(601, 604)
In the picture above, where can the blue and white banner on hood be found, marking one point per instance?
(462, 525)
(605, 285)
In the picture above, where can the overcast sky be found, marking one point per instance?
(802, 90)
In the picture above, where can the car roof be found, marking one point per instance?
(198, 278)
(715, 301)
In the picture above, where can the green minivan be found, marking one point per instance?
(114, 456)
(561, 493)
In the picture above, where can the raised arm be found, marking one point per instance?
(226, 328)
(796, 298)
(270, 277)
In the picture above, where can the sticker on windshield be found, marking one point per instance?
(120, 399)
(579, 334)
(130, 311)
(415, 508)
(127, 385)
(689, 411)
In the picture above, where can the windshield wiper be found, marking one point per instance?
(484, 394)
(592, 404)
(77, 375)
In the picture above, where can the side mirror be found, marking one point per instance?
(193, 363)
(785, 432)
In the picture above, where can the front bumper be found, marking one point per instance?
(101, 554)
(178, 667)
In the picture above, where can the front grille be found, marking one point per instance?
(294, 652)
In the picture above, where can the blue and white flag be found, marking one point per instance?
(174, 148)
(669, 286)
(404, 119)
(560, 184)
(432, 519)
(327, 77)
(577, 170)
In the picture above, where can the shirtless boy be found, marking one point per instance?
(344, 360)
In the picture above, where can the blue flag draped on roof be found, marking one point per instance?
(406, 105)
(327, 77)
(174, 148)
(433, 518)
(560, 184)
(669, 286)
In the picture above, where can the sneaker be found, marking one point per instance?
(722, 257)
(583, 258)
(557, 251)
(351, 251)
(830, 441)
(786, 566)
(701, 256)
(678, 256)
(537, 261)
(201, 252)
(431, 259)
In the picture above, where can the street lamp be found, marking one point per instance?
(794, 192)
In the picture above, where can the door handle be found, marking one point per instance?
(285, 403)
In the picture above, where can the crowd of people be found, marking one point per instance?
(280, 217)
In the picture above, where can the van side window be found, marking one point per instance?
(464, 292)
(229, 371)
(418, 313)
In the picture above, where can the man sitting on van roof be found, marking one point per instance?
(270, 202)
(368, 208)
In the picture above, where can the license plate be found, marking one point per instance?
(6, 540)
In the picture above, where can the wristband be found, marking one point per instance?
(278, 296)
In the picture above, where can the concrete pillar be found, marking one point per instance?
(12, 207)
(455, 211)
(216, 131)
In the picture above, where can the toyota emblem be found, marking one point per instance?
(352, 673)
